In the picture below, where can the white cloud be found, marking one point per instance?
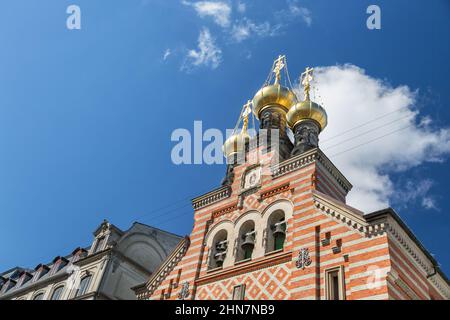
(246, 28)
(166, 55)
(295, 10)
(218, 10)
(352, 98)
(207, 53)
(429, 203)
(241, 7)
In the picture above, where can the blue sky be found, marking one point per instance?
(86, 115)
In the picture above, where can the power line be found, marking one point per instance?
(363, 124)
(366, 132)
(370, 141)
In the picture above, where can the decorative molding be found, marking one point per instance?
(184, 292)
(219, 212)
(211, 197)
(304, 259)
(245, 267)
(274, 191)
(164, 270)
(307, 158)
(389, 226)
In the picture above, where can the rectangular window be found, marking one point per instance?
(84, 284)
(334, 284)
(99, 244)
(239, 292)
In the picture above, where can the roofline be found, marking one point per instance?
(155, 228)
(393, 214)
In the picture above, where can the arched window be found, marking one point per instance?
(39, 296)
(84, 284)
(219, 250)
(57, 293)
(276, 231)
(246, 241)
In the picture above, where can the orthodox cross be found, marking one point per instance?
(306, 78)
(184, 292)
(246, 111)
(303, 259)
(279, 64)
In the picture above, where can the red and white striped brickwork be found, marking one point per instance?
(377, 256)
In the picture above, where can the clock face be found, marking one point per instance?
(252, 178)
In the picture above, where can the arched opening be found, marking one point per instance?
(246, 242)
(219, 249)
(276, 231)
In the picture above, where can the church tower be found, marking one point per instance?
(279, 226)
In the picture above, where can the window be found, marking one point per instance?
(39, 296)
(239, 292)
(276, 231)
(84, 284)
(218, 250)
(56, 295)
(334, 285)
(246, 241)
(99, 244)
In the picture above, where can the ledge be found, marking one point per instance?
(246, 266)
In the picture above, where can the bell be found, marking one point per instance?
(279, 228)
(220, 257)
(249, 240)
(222, 245)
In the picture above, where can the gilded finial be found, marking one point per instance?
(246, 112)
(306, 78)
(279, 64)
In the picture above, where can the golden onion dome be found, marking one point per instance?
(274, 94)
(307, 110)
(235, 144)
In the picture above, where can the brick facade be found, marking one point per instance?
(373, 256)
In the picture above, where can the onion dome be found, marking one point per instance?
(307, 109)
(235, 144)
(274, 94)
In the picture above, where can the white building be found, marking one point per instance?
(116, 261)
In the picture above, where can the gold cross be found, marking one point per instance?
(306, 78)
(277, 69)
(246, 112)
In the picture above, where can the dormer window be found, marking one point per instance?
(10, 283)
(24, 278)
(78, 253)
(58, 264)
(41, 270)
(99, 244)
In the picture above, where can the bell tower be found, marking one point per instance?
(272, 102)
(282, 230)
(306, 118)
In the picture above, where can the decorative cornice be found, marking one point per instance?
(211, 197)
(371, 225)
(274, 191)
(354, 220)
(246, 267)
(307, 158)
(224, 210)
(144, 292)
